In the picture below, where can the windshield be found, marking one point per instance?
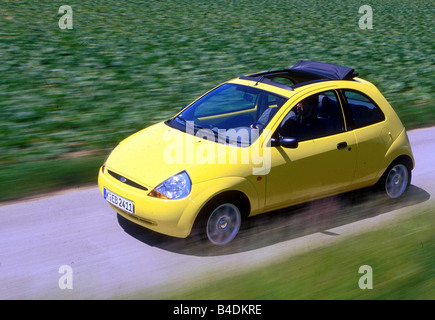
(235, 111)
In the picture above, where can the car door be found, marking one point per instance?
(323, 162)
(368, 123)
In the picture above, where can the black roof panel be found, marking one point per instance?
(324, 70)
(303, 72)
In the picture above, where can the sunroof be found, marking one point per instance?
(324, 70)
(303, 72)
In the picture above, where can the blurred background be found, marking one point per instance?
(69, 96)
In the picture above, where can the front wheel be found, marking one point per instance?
(397, 181)
(223, 223)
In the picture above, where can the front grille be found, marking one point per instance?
(126, 181)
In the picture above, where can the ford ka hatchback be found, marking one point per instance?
(258, 143)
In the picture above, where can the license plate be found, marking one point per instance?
(118, 201)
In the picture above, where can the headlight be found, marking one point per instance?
(176, 187)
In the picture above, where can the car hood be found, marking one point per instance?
(156, 153)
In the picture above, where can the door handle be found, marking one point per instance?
(341, 145)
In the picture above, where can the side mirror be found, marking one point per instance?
(183, 107)
(285, 142)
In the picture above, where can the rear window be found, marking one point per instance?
(363, 110)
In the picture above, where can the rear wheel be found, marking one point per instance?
(397, 180)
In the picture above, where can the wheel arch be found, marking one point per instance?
(239, 198)
(236, 189)
(236, 197)
(402, 159)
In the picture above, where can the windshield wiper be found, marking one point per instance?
(179, 118)
(191, 124)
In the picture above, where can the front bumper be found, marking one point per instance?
(160, 215)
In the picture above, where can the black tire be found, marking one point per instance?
(396, 180)
(219, 222)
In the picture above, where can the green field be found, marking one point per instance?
(127, 64)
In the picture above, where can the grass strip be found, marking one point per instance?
(28, 178)
(400, 255)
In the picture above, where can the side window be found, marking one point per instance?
(363, 110)
(316, 116)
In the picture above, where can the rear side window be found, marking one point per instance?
(363, 110)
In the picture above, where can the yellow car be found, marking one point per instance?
(258, 143)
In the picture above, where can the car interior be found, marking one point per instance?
(324, 119)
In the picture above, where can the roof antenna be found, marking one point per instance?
(263, 76)
(260, 79)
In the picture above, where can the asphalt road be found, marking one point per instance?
(109, 257)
